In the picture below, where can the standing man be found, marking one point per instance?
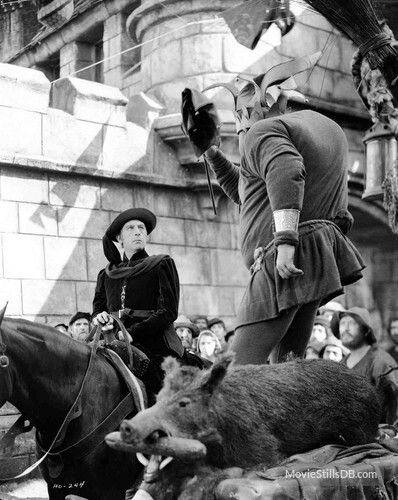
(368, 360)
(291, 187)
(79, 326)
(142, 290)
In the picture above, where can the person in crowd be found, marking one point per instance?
(313, 349)
(186, 330)
(61, 327)
(321, 329)
(141, 289)
(367, 359)
(188, 333)
(217, 326)
(291, 187)
(200, 321)
(328, 309)
(333, 350)
(79, 326)
(393, 334)
(208, 345)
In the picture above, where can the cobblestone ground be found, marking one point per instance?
(33, 489)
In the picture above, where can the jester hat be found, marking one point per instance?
(255, 102)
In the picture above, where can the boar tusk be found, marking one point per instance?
(165, 462)
(142, 495)
(142, 459)
(183, 448)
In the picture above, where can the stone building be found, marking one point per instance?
(76, 151)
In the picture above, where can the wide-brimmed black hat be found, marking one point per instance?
(142, 214)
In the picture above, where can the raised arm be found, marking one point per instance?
(227, 173)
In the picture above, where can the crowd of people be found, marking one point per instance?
(205, 337)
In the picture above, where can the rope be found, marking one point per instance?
(374, 43)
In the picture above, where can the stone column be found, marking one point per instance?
(195, 55)
(115, 40)
(77, 55)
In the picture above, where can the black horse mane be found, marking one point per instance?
(39, 331)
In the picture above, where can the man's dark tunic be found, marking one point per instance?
(298, 162)
(156, 291)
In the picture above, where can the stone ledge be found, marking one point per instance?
(51, 165)
(89, 101)
(24, 88)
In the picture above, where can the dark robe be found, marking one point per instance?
(156, 291)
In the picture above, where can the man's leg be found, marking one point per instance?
(298, 333)
(254, 343)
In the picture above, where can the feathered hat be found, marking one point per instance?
(254, 101)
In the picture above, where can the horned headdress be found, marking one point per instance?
(255, 102)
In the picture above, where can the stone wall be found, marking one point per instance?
(69, 163)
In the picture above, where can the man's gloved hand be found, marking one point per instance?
(200, 122)
(285, 262)
(105, 320)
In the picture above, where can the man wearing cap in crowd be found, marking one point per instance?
(367, 359)
(217, 326)
(321, 329)
(328, 309)
(188, 333)
(186, 330)
(142, 290)
(79, 326)
(200, 321)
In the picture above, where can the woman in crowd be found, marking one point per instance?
(208, 345)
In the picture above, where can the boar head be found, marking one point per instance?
(183, 408)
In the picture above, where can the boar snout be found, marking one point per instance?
(129, 433)
(145, 426)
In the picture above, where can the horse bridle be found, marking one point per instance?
(4, 361)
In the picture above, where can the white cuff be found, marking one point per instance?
(286, 220)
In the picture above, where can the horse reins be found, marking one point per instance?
(136, 393)
(69, 415)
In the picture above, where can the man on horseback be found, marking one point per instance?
(142, 290)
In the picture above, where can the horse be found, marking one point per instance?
(43, 377)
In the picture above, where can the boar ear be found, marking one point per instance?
(170, 365)
(217, 373)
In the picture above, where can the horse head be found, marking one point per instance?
(46, 376)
